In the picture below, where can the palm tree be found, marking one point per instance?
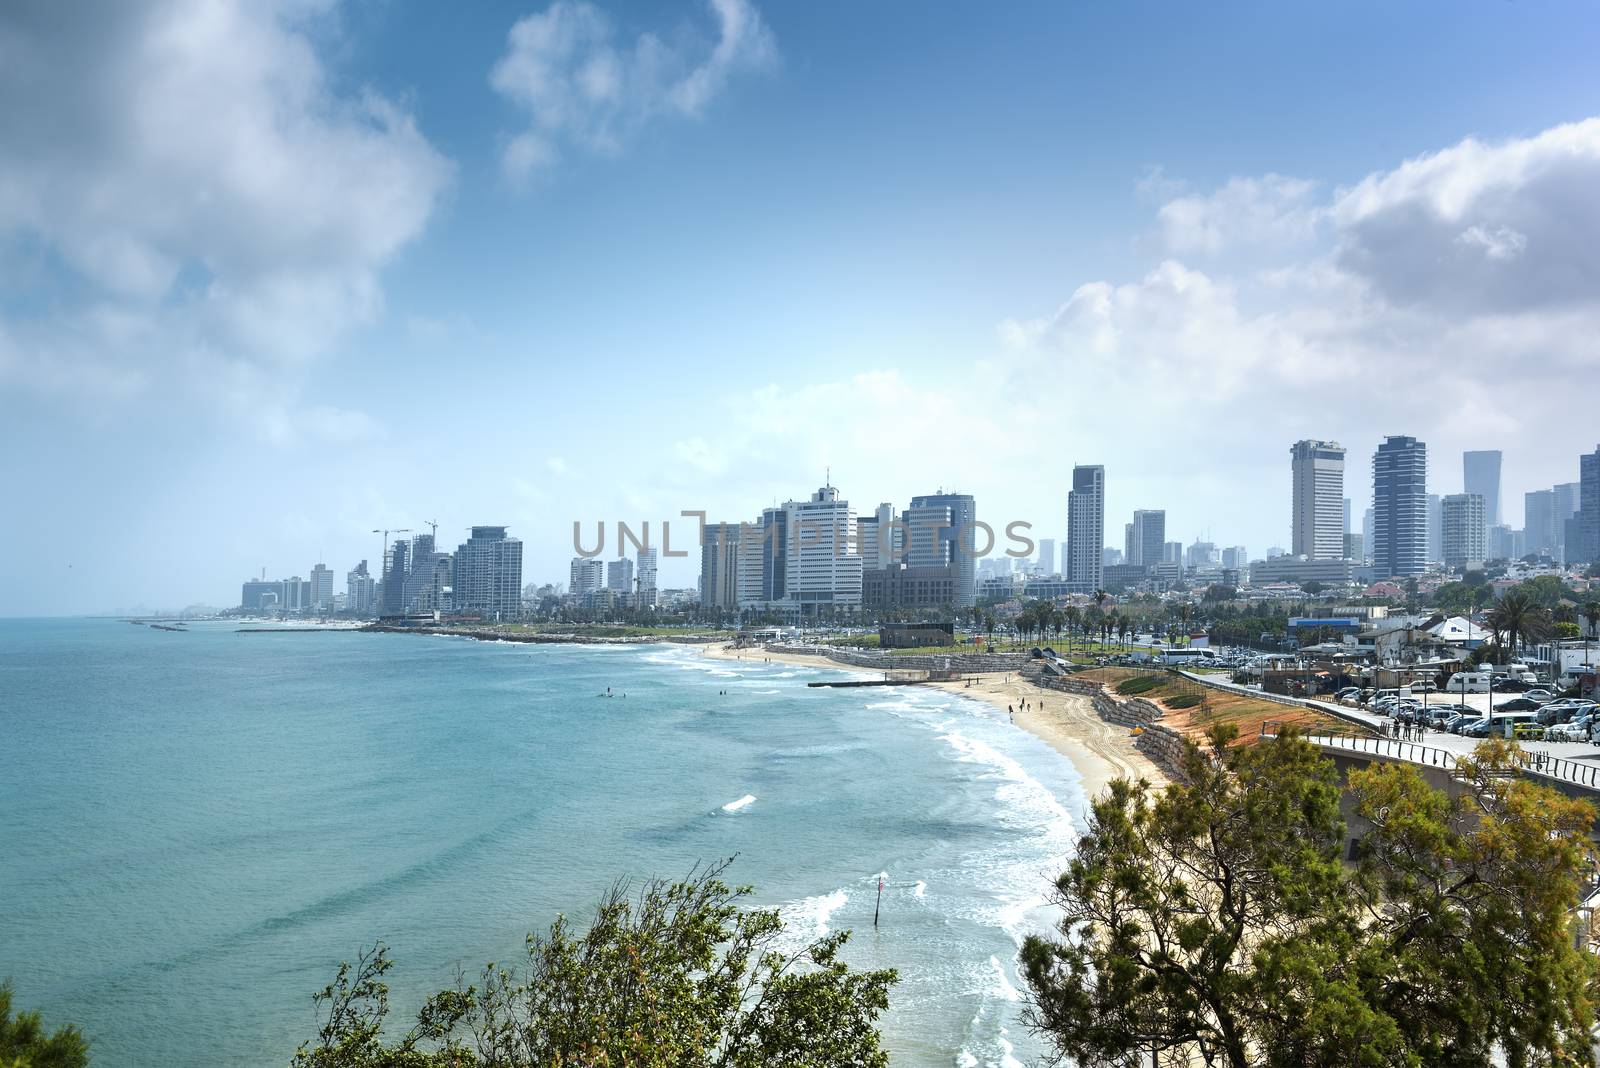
(1519, 617)
(1071, 614)
(1591, 616)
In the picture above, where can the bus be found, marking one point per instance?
(1186, 657)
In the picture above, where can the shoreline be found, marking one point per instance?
(1100, 751)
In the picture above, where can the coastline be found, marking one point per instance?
(1100, 751)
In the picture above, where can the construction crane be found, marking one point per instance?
(384, 546)
(433, 525)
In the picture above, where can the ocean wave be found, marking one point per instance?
(743, 802)
(811, 915)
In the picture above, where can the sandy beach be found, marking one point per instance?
(1100, 751)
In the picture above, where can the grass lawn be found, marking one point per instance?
(1192, 708)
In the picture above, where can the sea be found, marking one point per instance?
(197, 827)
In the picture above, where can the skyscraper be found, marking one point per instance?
(1047, 557)
(874, 533)
(1588, 525)
(1566, 498)
(358, 591)
(1435, 529)
(1318, 520)
(488, 568)
(396, 565)
(619, 575)
(822, 568)
(322, 588)
(1086, 520)
(586, 575)
(1149, 537)
(1480, 474)
(648, 595)
(719, 566)
(1539, 522)
(951, 545)
(1462, 529)
(1400, 507)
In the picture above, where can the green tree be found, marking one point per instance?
(1519, 618)
(679, 975)
(1215, 922)
(25, 1044)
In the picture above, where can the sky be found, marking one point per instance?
(275, 274)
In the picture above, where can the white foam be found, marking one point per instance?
(735, 806)
(813, 913)
(920, 890)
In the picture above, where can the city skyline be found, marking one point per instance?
(774, 243)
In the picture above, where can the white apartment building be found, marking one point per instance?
(1319, 516)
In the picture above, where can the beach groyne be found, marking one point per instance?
(544, 638)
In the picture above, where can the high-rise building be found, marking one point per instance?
(1202, 554)
(396, 565)
(1047, 557)
(1462, 530)
(1366, 531)
(322, 588)
(1505, 543)
(619, 575)
(1354, 550)
(823, 570)
(719, 566)
(1539, 522)
(586, 575)
(1129, 552)
(763, 559)
(1235, 556)
(1435, 528)
(488, 574)
(1480, 474)
(1086, 528)
(1588, 525)
(942, 532)
(1567, 499)
(1110, 557)
(649, 595)
(1318, 526)
(358, 591)
(1347, 515)
(1172, 553)
(875, 535)
(1149, 537)
(1400, 507)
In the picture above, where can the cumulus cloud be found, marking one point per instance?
(1408, 302)
(1270, 210)
(200, 205)
(579, 85)
(1481, 227)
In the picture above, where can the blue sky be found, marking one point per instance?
(272, 275)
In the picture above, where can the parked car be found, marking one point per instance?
(1541, 696)
(1575, 731)
(1517, 704)
(1474, 728)
(1528, 732)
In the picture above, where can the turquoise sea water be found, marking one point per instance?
(195, 828)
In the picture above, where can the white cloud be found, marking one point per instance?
(1481, 227)
(565, 68)
(207, 209)
(1270, 210)
(1448, 297)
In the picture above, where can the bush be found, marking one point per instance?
(1183, 700)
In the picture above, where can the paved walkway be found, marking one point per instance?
(1575, 763)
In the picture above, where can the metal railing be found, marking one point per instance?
(1581, 773)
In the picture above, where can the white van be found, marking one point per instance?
(1469, 682)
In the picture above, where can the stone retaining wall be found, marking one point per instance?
(974, 662)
